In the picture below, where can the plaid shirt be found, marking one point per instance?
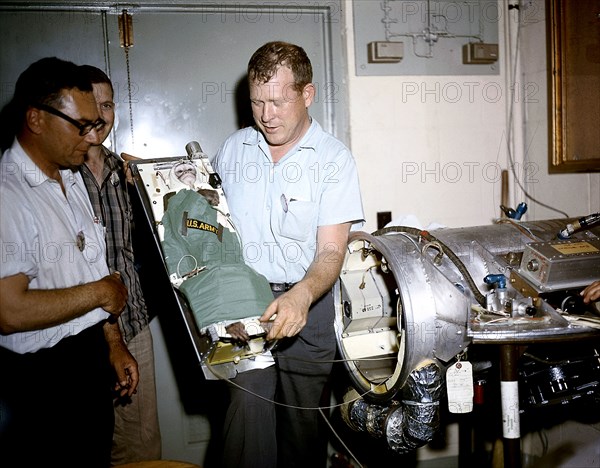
(111, 205)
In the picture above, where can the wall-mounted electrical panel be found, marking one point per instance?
(427, 37)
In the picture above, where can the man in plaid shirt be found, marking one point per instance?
(137, 434)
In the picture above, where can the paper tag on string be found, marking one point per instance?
(459, 385)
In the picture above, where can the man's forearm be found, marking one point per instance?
(112, 333)
(23, 309)
(292, 308)
(323, 273)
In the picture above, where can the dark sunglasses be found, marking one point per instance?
(84, 128)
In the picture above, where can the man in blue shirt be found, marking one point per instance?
(293, 193)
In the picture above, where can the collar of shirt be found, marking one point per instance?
(111, 165)
(32, 172)
(308, 141)
(111, 160)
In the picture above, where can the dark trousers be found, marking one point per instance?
(249, 426)
(304, 365)
(258, 433)
(56, 404)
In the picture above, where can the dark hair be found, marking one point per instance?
(97, 76)
(265, 62)
(43, 82)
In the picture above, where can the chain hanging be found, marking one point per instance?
(126, 39)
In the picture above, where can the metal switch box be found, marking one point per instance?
(385, 52)
(480, 53)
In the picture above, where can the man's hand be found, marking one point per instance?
(123, 363)
(126, 158)
(115, 296)
(292, 307)
(126, 370)
(592, 292)
(292, 313)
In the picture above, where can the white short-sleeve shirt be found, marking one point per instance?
(50, 236)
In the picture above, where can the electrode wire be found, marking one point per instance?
(337, 436)
(510, 121)
(318, 408)
(230, 381)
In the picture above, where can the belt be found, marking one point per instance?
(281, 287)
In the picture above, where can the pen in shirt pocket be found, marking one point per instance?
(99, 222)
(285, 202)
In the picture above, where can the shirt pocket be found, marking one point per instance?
(298, 221)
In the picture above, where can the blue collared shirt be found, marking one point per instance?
(277, 207)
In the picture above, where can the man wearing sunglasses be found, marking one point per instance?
(56, 294)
